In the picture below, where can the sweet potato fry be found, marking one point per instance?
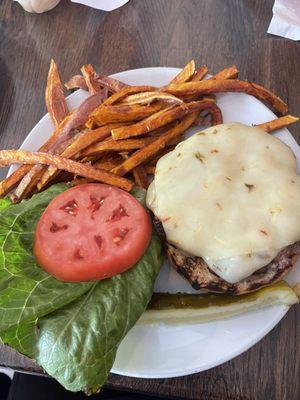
(185, 74)
(199, 74)
(93, 81)
(124, 113)
(76, 82)
(227, 73)
(60, 138)
(82, 141)
(212, 117)
(216, 115)
(28, 184)
(79, 117)
(127, 91)
(112, 84)
(8, 157)
(54, 96)
(109, 161)
(81, 181)
(30, 181)
(159, 119)
(89, 75)
(114, 99)
(230, 85)
(203, 120)
(278, 123)
(7, 184)
(149, 97)
(152, 149)
(140, 176)
(116, 145)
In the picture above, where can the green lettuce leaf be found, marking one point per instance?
(26, 291)
(77, 343)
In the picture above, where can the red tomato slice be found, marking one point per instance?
(91, 232)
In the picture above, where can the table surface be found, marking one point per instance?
(158, 33)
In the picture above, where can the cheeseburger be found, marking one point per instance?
(227, 201)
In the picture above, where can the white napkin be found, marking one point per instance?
(38, 6)
(286, 19)
(105, 5)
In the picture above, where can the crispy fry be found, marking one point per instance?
(93, 81)
(159, 119)
(76, 82)
(124, 113)
(203, 120)
(115, 98)
(199, 74)
(150, 169)
(216, 115)
(109, 161)
(28, 184)
(185, 74)
(54, 96)
(140, 177)
(82, 141)
(79, 117)
(278, 123)
(11, 181)
(8, 157)
(152, 149)
(61, 137)
(212, 117)
(149, 97)
(127, 91)
(30, 181)
(89, 75)
(112, 84)
(7, 184)
(229, 85)
(227, 73)
(116, 145)
(81, 181)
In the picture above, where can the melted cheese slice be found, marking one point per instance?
(231, 195)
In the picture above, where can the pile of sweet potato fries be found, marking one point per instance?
(118, 134)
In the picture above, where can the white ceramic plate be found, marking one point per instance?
(168, 351)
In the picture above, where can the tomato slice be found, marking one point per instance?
(91, 232)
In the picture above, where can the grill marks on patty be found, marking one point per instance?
(200, 276)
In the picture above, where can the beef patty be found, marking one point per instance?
(200, 276)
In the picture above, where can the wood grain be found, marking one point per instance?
(157, 33)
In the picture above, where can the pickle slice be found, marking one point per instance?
(194, 308)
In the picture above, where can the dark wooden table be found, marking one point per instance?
(158, 33)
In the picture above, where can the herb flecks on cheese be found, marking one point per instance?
(254, 179)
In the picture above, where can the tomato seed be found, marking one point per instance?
(71, 207)
(95, 204)
(120, 236)
(117, 214)
(56, 228)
